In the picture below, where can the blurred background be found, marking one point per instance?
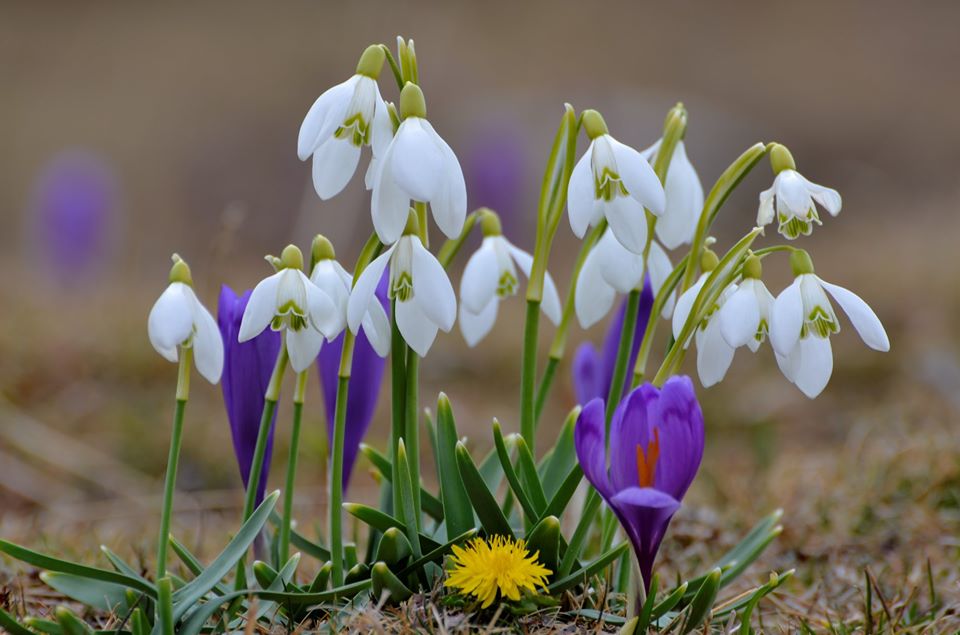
(134, 130)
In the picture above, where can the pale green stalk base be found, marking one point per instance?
(285, 526)
(528, 375)
(173, 459)
(336, 482)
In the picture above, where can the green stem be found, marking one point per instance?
(286, 524)
(666, 290)
(627, 334)
(336, 482)
(411, 431)
(398, 393)
(528, 375)
(173, 459)
(546, 382)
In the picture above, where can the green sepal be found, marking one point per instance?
(484, 504)
(545, 539)
(702, 602)
(581, 575)
(350, 558)
(394, 547)
(384, 580)
(457, 512)
(437, 553)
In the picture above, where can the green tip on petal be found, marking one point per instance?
(781, 159)
(180, 271)
(413, 224)
(321, 249)
(489, 222)
(371, 62)
(594, 124)
(801, 262)
(291, 258)
(752, 268)
(412, 102)
(708, 260)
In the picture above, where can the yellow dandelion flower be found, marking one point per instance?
(497, 563)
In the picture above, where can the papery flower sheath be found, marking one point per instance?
(491, 275)
(342, 120)
(417, 165)
(289, 301)
(178, 320)
(613, 181)
(247, 370)
(366, 375)
(611, 268)
(684, 197)
(593, 371)
(714, 354)
(655, 448)
(791, 200)
(424, 297)
(803, 320)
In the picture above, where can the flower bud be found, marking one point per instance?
(800, 262)
(371, 62)
(412, 102)
(321, 249)
(594, 124)
(291, 258)
(489, 222)
(781, 159)
(180, 271)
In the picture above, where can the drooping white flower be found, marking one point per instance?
(803, 319)
(178, 320)
(331, 278)
(424, 297)
(791, 199)
(745, 316)
(613, 181)
(491, 275)
(417, 165)
(714, 354)
(342, 120)
(684, 197)
(611, 268)
(289, 301)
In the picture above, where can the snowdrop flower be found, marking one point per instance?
(288, 301)
(613, 181)
(611, 268)
(417, 165)
(803, 320)
(684, 197)
(342, 120)
(331, 278)
(424, 297)
(490, 275)
(745, 316)
(791, 199)
(178, 320)
(714, 354)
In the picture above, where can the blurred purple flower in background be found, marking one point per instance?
(593, 371)
(655, 448)
(366, 375)
(247, 369)
(73, 207)
(495, 171)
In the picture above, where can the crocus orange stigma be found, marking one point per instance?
(647, 460)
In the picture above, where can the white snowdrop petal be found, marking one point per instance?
(363, 292)
(593, 297)
(389, 203)
(550, 303)
(685, 304)
(261, 308)
(324, 314)
(714, 355)
(479, 282)
(476, 326)
(303, 346)
(334, 162)
(324, 117)
(449, 205)
(864, 320)
(786, 319)
(432, 290)
(639, 178)
(416, 161)
(382, 131)
(684, 201)
(815, 365)
(792, 194)
(207, 344)
(827, 197)
(660, 268)
(170, 321)
(739, 316)
(417, 329)
(766, 213)
(581, 198)
(628, 222)
(376, 326)
(620, 267)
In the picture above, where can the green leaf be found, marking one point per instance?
(378, 519)
(191, 562)
(544, 538)
(359, 571)
(408, 509)
(63, 566)
(320, 580)
(384, 579)
(484, 504)
(561, 459)
(70, 623)
(456, 504)
(186, 597)
(394, 547)
(528, 471)
(564, 492)
(8, 622)
(668, 602)
(431, 504)
(138, 623)
(490, 468)
(104, 596)
(580, 534)
(165, 617)
(264, 573)
(643, 620)
(748, 602)
(120, 565)
(44, 626)
(280, 582)
(586, 572)
(512, 479)
(702, 602)
(301, 542)
(436, 554)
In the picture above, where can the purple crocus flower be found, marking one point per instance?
(365, 378)
(656, 444)
(593, 371)
(494, 168)
(247, 369)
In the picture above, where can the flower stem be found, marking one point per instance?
(411, 430)
(336, 482)
(173, 459)
(546, 382)
(528, 375)
(285, 526)
(398, 393)
(627, 334)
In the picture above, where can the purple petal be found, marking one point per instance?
(677, 416)
(630, 428)
(645, 514)
(611, 343)
(247, 369)
(588, 439)
(586, 374)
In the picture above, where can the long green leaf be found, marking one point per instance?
(384, 579)
(431, 504)
(8, 622)
(586, 572)
(580, 534)
(490, 468)
(63, 566)
(668, 602)
(121, 565)
(702, 601)
(512, 479)
(457, 511)
(104, 596)
(565, 491)
(544, 541)
(44, 626)
(301, 542)
(436, 554)
(71, 624)
(561, 459)
(408, 509)
(379, 520)
(484, 504)
(190, 561)
(185, 598)
(528, 471)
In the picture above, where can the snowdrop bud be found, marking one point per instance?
(412, 102)
(490, 223)
(180, 271)
(781, 159)
(708, 260)
(752, 268)
(676, 122)
(321, 249)
(291, 258)
(413, 224)
(594, 124)
(800, 262)
(371, 62)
